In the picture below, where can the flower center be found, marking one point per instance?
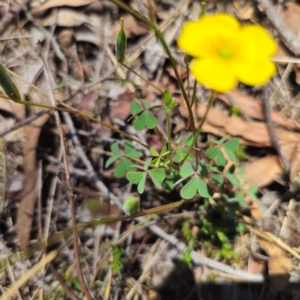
(225, 52)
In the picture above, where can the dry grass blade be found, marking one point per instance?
(40, 265)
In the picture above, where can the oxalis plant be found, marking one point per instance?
(219, 52)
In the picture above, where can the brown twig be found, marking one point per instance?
(10, 15)
(69, 187)
(62, 283)
(273, 136)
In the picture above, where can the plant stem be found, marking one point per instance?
(71, 110)
(169, 131)
(180, 83)
(194, 93)
(196, 135)
(143, 78)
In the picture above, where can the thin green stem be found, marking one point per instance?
(180, 83)
(194, 93)
(143, 78)
(198, 131)
(169, 129)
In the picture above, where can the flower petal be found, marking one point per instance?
(200, 38)
(214, 73)
(255, 72)
(260, 39)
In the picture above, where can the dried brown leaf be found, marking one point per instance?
(29, 194)
(58, 3)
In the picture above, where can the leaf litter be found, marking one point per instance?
(38, 141)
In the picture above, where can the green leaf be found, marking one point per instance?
(111, 160)
(135, 177)
(230, 154)
(153, 152)
(141, 185)
(146, 103)
(130, 151)
(202, 169)
(252, 192)
(218, 179)
(212, 153)
(240, 199)
(146, 119)
(233, 179)
(217, 169)
(147, 164)
(189, 140)
(123, 167)
(156, 162)
(157, 176)
(115, 149)
(194, 185)
(135, 108)
(221, 141)
(190, 189)
(220, 160)
(232, 145)
(8, 86)
(151, 121)
(180, 155)
(186, 170)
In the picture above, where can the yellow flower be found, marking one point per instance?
(225, 52)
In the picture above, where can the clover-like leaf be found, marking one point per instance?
(146, 119)
(141, 185)
(135, 108)
(123, 167)
(232, 145)
(252, 191)
(186, 170)
(218, 179)
(189, 140)
(116, 154)
(233, 179)
(239, 197)
(134, 177)
(202, 169)
(153, 152)
(220, 141)
(157, 176)
(217, 155)
(193, 186)
(146, 103)
(130, 151)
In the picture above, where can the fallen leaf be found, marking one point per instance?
(279, 266)
(253, 108)
(264, 170)
(30, 192)
(58, 3)
(16, 109)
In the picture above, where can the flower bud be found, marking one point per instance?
(121, 43)
(167, 97)
(132, 205)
